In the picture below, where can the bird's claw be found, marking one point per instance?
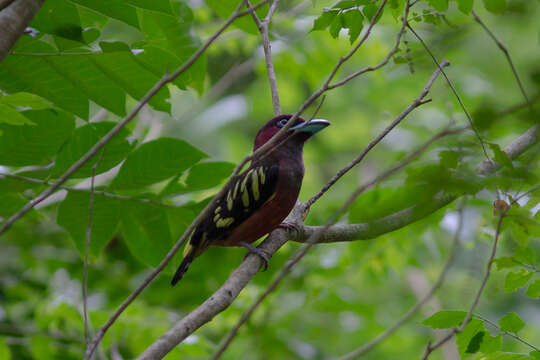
(255, 250)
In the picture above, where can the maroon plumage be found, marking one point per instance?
(260, 198)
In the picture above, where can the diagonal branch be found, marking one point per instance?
(453, 88)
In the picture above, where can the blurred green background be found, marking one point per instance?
(340, 295)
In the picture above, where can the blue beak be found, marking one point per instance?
(313, 126)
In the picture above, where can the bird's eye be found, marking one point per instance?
(282, 122)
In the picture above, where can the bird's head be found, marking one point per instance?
(300, 131)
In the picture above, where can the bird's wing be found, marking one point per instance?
(244, 196)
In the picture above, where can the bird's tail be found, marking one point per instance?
(189, 255)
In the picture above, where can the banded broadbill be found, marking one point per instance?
(260, 198)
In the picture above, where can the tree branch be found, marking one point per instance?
(263, 29)
(15, 15)
(452, 87)
(506, 53)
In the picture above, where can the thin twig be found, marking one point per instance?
(456, 330)
(416, 103)
(315, 237)
(98, 192)
(506, 53)
(523, 341)
(263, 29)
(87, 250)
(465, 111)
(384, 335)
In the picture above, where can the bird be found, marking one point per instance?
(258, 199)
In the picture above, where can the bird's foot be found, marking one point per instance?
(289, 226)
(255, 250)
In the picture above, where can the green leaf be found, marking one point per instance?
(5, 352)
(495, 6)
(201, 176)
(82, 140)
(490, 344)
(353, 20)
(465, 6)
(24, 99)
(70, 81)
(445, 319)
(525, 256)
(106, 213)
(500, 156)
(324, 20)
(42, 347)
(145, 230)
(336, 26)
(59, 18)
(22, 145)
(155, 161)
(516, 280)
(511, 322)
(9, 115)
(468, 335)
(449, 159)
(534, 290)
(476, 341)
(535, 354)
(505, 262)
(11, 203)
(439, 5)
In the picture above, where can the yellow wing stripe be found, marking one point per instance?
(255, 185)
(224, 222)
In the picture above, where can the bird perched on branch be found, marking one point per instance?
(259, 199)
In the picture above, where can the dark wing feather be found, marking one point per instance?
(243, 197)
(248, 193)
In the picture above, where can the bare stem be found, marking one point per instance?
(521, 340)
(465, 111)
(506, 53)
(87, 250)
(263, 29)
